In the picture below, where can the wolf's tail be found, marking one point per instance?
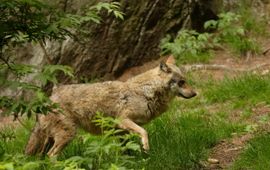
(35, 141)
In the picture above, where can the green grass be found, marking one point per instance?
(189, 58)
(12, 144)
(256, 156)
(13, 140)
(246, 89)
(180, 140)
(243, 45)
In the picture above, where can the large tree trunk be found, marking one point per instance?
(116, 45)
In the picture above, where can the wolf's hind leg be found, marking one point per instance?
(35, 141)
(47, 144)
(128, 124)
(57, 147)
(60, 141)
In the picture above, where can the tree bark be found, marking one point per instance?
(116, 45)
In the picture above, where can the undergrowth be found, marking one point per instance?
(188, 47)
(109, 151)
(237, 31)
(254, 21)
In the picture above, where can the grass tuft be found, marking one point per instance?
(181, 140)
(247, 87)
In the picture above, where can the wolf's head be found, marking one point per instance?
(176, 80)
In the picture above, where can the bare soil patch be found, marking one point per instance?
(227, 151)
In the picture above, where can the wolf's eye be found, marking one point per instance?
(173, 82)
(181, 82)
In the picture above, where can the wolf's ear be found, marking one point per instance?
(164, 67)
(170, 60)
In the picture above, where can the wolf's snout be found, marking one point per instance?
(190, 94)
(193, 94)
(187, 93)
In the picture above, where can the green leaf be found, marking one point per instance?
(212, 24)
(6, 166)
(118, 14)
(31, 166)
(132, 146)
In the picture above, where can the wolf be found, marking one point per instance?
(134, 102)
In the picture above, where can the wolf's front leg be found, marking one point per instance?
(129, 125)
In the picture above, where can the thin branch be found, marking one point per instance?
(49, 60)
(188, 68)
(5, 61)
(266, 51)
(65, 5)
(23, 125)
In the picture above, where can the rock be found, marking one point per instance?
(264, 72)
(213, 161)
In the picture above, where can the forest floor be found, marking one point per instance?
(223, 155)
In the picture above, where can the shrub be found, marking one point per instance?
(188, 47)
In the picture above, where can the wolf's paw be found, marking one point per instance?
(146, 147)
(145, 154)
